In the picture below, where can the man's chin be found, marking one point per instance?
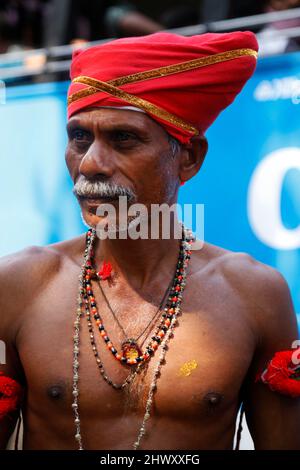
(107, 227)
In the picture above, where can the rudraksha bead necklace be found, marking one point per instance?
(165, 328)
(148, 324)
(131, 354)
(133, 372)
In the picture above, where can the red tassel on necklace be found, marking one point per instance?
(105, 271)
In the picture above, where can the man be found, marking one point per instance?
(138, 110)
(272, 36)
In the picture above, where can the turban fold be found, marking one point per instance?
(183, 83)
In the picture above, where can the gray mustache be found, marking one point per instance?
(101, 189)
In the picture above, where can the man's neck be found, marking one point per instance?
(140, 261)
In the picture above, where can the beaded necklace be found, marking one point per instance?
(134, 340)
(161, 336)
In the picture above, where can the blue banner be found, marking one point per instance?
(249, 182)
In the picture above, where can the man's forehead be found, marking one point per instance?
(106, 116)
(100, 112)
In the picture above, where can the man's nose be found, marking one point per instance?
(97, 161)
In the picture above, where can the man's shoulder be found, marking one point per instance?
(33, 266)
(240, 267)
(255, 282)
(24, 277)
(250, 273)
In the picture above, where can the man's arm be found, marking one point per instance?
(9, 322)
(273, 419)
(23, 277)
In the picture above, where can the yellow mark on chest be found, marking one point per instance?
(187, 368)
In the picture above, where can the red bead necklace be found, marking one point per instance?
(130, 353)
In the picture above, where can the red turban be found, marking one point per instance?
(181, 82)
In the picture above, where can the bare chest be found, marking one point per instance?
(202, 372)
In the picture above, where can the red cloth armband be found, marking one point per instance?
(282, 374)
(10, 395)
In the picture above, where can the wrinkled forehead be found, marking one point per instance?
(86, 110)
(120, 116)
(130, 108)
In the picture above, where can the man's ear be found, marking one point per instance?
(191, 158)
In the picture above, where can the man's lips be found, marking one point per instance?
(93, 203)
(96, 201)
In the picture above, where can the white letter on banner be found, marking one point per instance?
(264, 197)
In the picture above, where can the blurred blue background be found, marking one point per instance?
(249, 182)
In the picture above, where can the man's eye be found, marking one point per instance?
(79, 135)
(123, 136)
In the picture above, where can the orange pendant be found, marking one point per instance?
(130, 349)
